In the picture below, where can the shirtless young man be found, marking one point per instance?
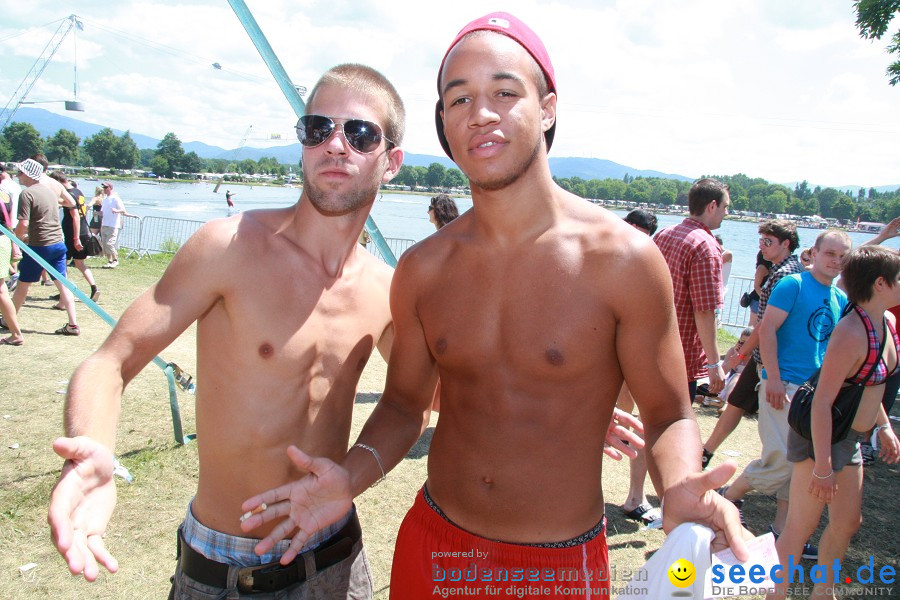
(508, 305)
(302, 337)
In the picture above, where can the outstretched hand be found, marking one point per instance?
(620, 440)
(81, 504)
(314, 501)
(694, 499)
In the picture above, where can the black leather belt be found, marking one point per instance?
(273, 576)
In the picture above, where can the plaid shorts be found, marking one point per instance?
(238, 551)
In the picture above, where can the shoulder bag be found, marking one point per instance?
(843, 410)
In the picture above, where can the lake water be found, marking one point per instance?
(397, 215)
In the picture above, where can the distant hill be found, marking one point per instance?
(597, 168)
(48, 123)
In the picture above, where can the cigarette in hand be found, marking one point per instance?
(255, 511)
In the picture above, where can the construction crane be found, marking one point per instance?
(18, 97)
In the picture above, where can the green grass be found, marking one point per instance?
(142, 531)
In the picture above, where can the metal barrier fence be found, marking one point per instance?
(130, 235)
(153, 235)
(734, 315)
(397, 245)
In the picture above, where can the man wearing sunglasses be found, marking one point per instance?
(512, 305)
(278, 362)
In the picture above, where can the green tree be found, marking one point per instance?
(453, 178)
(192, 163)
(827, 199)
(638, 190)
(435, 176)
(610, 189)
(663, 191)
(147, 155)
(248, 166)
(843, 208)
(23, 140)
(756, 195)
(872, 19)
(802, 191)
(125, 153)
(170, 149)
(406, 176)
(775, 202)
(102, 147)
(62, 147)
(159, 165)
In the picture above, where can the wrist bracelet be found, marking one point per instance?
(880, 428)
(820, 477)
(715, 365)
(741, 356)
(377, 459)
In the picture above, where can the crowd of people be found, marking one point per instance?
(48, 212)
(528, 390)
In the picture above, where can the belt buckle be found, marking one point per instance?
(246, 579)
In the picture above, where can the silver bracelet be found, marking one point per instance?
(820, 477)
(377, 459)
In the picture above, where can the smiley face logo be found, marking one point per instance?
(682, 573)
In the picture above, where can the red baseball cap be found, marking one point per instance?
(512, 27)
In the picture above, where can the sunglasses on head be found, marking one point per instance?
(363, 136)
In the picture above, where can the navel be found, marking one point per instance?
(266, 350)
(555, 357)
(440, 346)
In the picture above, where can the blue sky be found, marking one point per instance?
(784, 90)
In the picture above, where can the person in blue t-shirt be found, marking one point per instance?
(802, 311)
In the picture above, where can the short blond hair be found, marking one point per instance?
(366, 80)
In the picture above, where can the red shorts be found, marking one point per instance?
(435, 559)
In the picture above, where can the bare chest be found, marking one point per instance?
(299, 333)
(547, 317)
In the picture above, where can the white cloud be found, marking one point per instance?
(781, 90)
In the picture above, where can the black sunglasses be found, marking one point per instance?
(363, 136)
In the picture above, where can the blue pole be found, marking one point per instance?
(268, 55)
(86, 300)
(293, 97)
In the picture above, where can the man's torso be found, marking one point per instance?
(110, 218)
(813, 311)
(279, 355)
(695, 263)
(525, 343)
(40, 207)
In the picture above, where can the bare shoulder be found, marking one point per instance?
(252, 227)
(849, 335)
(616, 252)
(225, 247)
(377, 271)
(606, 235)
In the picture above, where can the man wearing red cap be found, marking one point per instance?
(507, 305)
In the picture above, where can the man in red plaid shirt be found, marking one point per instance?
(695, 263)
